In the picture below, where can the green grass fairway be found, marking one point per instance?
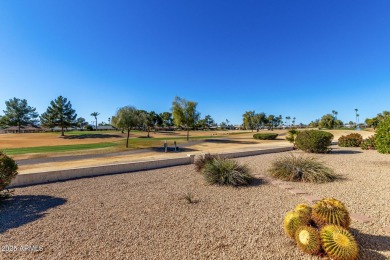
(58, 149)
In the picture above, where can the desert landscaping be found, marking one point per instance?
(145, 214)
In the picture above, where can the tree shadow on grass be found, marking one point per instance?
(369, 244)
(20, 210)
(172, 149)
(87, 136)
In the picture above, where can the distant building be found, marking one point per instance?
(23, 129)
(105, 128)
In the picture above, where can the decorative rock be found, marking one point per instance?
(296, 191)
(286, 186)
(360, 218)
(387, 229)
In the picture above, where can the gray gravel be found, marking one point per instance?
(144, 216)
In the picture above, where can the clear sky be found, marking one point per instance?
(295, 58)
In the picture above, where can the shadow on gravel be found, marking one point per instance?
(86, 136)
(344, 152)
(368, 243)
(257, 182)
(20, 210)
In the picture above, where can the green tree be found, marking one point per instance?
(81, 122)
(249, 120)
(259, 120)
(150, 120)
(127, 118)
(209, 121)
(95, 115)
(19, 113)
(185, 114)
(356, 115)
(59, 113)
(167, 119)
(327, 121)
(315, 123)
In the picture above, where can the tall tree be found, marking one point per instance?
(127, 118)
(19, 113)
(150, 120)
(81, 122)
(356, 115)
(59, 113)
(185, 113)
(248, 119)
(293, 121)
(271, 121)
(327, 121)
(167, 119)
(95, 115)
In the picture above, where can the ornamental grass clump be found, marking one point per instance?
(325, 232)
(203, 159)
(223, 171)
(301, 168)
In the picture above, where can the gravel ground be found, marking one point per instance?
(143, 215)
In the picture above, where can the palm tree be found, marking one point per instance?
(356, 115)
(335, 114)
(95, 115)
(293, 122)
(288, 119)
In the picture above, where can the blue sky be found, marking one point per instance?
(295, 58)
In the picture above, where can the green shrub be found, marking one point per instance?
(351, 140)
(301, 168)
(368, 143)
(314, 141)
(265, 136)
(8, 170)
(382, 136)
(226, 172)
(291, 136)
(202, 160)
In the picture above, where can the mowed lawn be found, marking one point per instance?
(47, 143)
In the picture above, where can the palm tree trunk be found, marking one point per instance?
(128, 136)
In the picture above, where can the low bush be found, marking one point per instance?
(8, 171)
(382, 136)
(351, 140)
(202, 160)
(301, 168)
(265, 136)
(368, 143)
(291, 136)
(314, 141)
(226, 172)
